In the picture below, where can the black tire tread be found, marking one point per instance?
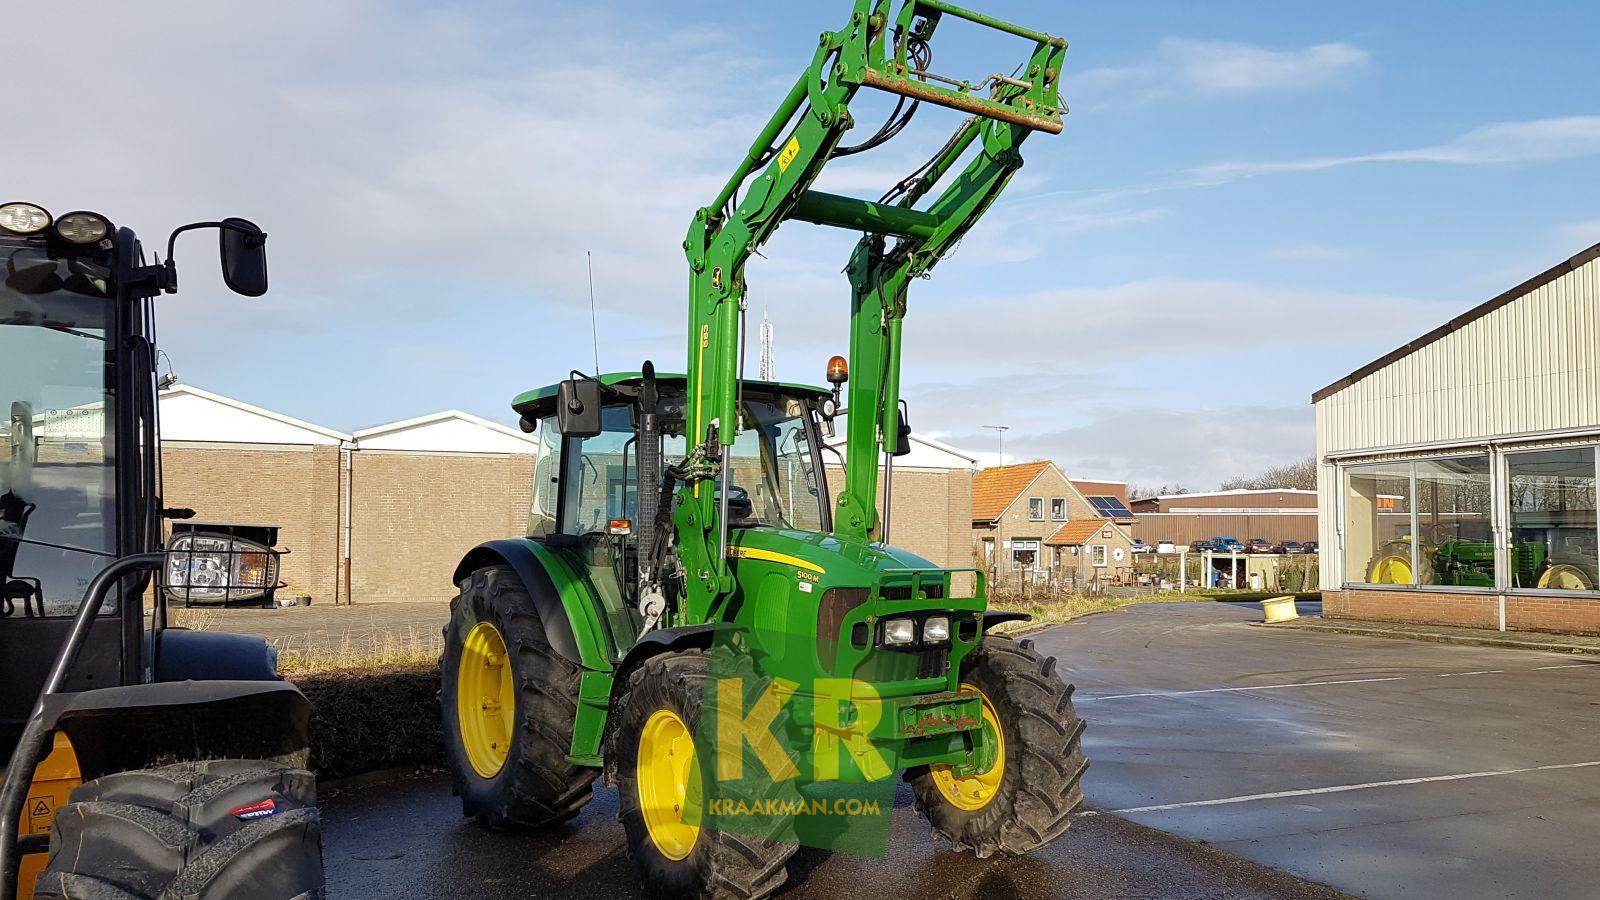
(1045, 760)
(169, 833)
(540, 787)
(724, 864)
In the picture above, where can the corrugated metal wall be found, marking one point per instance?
(1529, 367)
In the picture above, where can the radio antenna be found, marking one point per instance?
(594, 326)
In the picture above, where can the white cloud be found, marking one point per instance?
(1537, 140)
(1221, 68)
(1216, 67)
(1579, 235)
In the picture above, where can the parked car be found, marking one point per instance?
(1166, 547)
(1228, 545)
(1291, 547)
(1201, 546)
(1310, 546)
(1139, 546)
(1260, 545)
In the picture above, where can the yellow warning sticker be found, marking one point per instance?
(40, 811)
(790, 151)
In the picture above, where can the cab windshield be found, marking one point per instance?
(772, 467)
(56, 474)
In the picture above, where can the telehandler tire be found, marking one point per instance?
(233, 828)
(651, 759)
(508, 702)
(1026, 799)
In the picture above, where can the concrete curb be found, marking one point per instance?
(1435, 637)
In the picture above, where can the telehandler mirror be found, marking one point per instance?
(244, 257)
(578, 407)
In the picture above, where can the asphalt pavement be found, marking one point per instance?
(407, 839)
(1386, 768)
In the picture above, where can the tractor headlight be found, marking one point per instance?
(23, 218)
(202, 566)
(82, 227)
(899, 632)
(936, 630)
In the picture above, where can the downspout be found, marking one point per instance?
(347, 451)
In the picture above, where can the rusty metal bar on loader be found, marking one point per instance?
(918, 90)
(864, 215)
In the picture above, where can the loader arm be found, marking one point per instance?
(888, 54)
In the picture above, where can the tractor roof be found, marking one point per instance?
(540, 402)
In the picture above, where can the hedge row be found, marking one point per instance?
(368, 720)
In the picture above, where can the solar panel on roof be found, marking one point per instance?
(1111, 507)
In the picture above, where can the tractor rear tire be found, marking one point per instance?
(1041, 761)
(527, 781)
(709, 863)
(233, 828)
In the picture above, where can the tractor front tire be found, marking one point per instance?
(653, 731)
(1027, 798)
(508, 703)
(228, 829)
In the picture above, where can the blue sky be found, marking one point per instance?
(1249, 201)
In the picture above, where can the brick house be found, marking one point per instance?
(1030, 523)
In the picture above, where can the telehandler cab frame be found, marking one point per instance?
(145, 759)
(676, 517)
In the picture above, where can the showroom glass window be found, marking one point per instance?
(1455, 530)
(1551, 507)
(1377, 524)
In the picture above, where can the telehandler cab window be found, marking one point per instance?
(56, 475)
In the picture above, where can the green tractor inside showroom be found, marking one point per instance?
(145, 760)
(682, 541)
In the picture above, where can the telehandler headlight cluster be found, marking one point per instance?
(82, 227)
(23, 218)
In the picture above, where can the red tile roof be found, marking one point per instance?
(996, 488)
(1074, 533)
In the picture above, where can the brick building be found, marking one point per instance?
(1274, 515)
(1031, 524)
(1457, 474)
(381, 514)
(932, 507)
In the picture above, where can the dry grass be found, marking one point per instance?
(298, 658)
(1065, 607)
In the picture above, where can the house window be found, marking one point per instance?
(1024, 554)
(1036, 509)
(1058, 508)
(1097, 556)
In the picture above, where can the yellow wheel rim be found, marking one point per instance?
(1392, 570)
(486, 699)
(1565, 577)
(663, 773)
(973, 792)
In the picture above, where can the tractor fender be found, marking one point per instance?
(541, 587)
(184, 655)
(991, 618)
(119, 729)
(668, 640)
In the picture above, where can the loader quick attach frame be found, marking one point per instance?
(892, 55)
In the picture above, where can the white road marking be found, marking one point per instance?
(1279, 686)
(1258, 687)
(1342, 788)
(1570, 666)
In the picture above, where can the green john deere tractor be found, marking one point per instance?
(681, 539)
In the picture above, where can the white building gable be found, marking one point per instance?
(451, 431)
(191, 414)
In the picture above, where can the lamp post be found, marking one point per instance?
(1002, 429)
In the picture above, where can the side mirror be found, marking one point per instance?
(902, 446)
(244, 257)
(578, 407)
